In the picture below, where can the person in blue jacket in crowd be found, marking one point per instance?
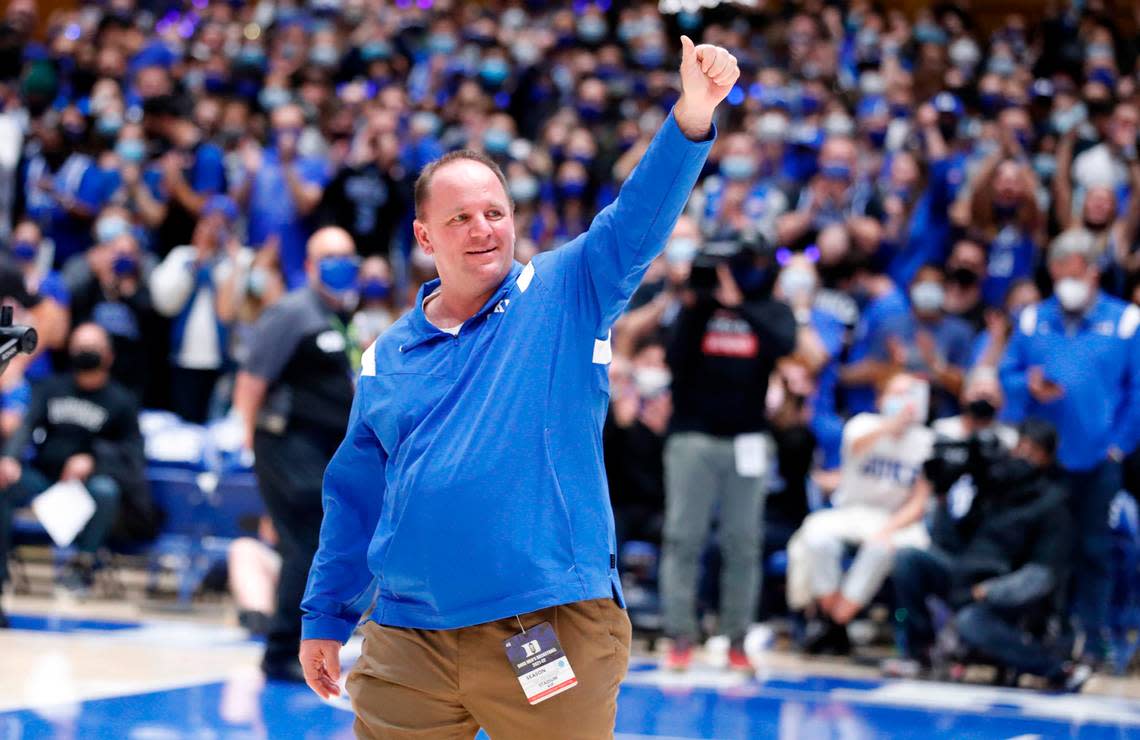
(1077, 357)
(468, 498)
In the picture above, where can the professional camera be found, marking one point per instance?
(740, 254)
(980, 456)
(14, 339)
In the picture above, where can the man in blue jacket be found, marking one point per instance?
(468, 498)
(1076, 357)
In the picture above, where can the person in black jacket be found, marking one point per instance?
(1002, 562)
(726, 342)
(83, 426)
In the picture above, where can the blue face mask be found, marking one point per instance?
(809, 105)
(1045, 165)
(835, 171)
(496, 141)
(124, 265)
(108, 125)
(650, 57)
(737, 167)
(273, 97)
(878, 138)
(24, 251)
(572, 188)
(441, 43)
(374, 50)
(524, 189)
(132, 151)
(591, 29)
(338, 274)
(494, 72)
(375, 289)
(928, 33)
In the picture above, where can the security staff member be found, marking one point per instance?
(471, 485)
(294, 394)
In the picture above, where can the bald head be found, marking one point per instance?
(330, 241)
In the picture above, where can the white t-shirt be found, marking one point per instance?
(883, 476)
(452, 330)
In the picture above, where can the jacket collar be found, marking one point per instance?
(425, 331)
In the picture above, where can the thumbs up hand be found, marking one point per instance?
(707, 75)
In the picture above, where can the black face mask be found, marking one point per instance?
(1095, 226)
(964, 276)
(981, 409)
(86, 360)
(1099, 107)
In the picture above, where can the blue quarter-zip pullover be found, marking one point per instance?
(1095, 358)
(470, 484)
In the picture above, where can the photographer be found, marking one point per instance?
(728, 336)
(998, 564)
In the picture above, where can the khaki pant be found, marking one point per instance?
(446, 684)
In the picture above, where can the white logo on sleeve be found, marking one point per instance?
(502, 306)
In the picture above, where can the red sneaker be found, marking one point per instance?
(738, 661)
(679, 657)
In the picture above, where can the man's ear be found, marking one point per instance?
(422, 237)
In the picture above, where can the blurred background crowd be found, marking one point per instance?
(910, 185)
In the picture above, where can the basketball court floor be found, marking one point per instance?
(102, 670)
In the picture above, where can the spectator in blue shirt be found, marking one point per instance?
(940, 351)
(52, 314)
(1078, 357)
(281, 190)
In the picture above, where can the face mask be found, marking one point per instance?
(838, 124)
(1002, 66)
(494, 72)
(86, 360)
(772, 127)
(591, 29)
(125, 265)
(878, 139)
(1072, 294)
(273, 97)
(525, 53)
(963, 276)
(981, 409)
(441, 43)
(928, 33)
(496, 141)
(1099, 107)
(375, 289)
(1064, 121)
(24, 251)
(927, 297)
(324, 56)
(108, 125)
(110, 228)
(524, 189)
(572, 188)
(893, 406)
(964, 53)
(651, 381)
(1045, 165)
(809, 105)
(835, 171)
(737, 167)
(990, 103)
(681, 250)
(258, 282)
(338, 274)
(374, 50)
(796, 283)
(650, 57)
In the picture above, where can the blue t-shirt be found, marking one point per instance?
(1012, 254)
(78, 178)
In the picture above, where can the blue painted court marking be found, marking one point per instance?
(652, 706)
(49, 623)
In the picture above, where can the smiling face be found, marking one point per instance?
(467, 225)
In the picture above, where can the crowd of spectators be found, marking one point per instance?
(899, 178)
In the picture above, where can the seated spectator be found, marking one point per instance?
(982, 402)
(185, 288)
(254, 567)
(87, 430)
(999, 566)
(878, 507)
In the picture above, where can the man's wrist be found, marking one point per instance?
(694, 124)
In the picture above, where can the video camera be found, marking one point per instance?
(739, 253)
(978, 456)
(14, 339)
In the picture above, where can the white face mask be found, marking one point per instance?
(796, 283)
(1072, 293)
(651, 381)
